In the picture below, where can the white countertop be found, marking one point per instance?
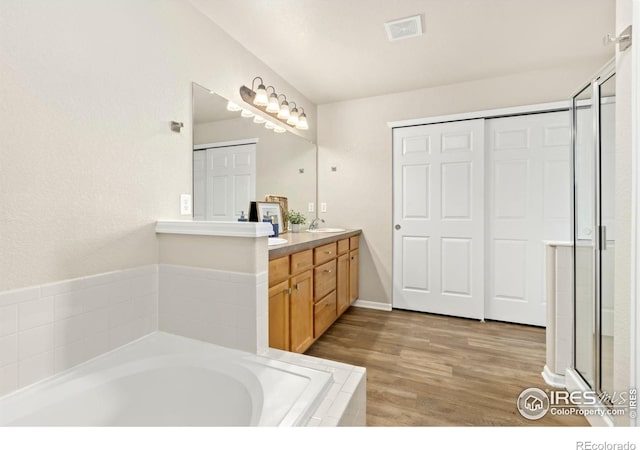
(210, 228)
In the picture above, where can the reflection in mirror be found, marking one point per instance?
(237, 161)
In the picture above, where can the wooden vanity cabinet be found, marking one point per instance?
(301, 312)
(309, 290)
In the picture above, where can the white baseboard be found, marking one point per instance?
(372, 305)
(576, 383)
(553, 379)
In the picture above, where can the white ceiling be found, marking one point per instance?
(333, 50)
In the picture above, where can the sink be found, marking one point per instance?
(326, 230)
(277, 241)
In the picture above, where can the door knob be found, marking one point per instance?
(398, 227)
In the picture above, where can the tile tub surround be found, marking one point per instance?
(345, 403)
(48, 328)
(221, 307)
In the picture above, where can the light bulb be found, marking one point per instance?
(246, 113)
(261, 98)
(273, 106)
(302, 122)
(232, 106)
(284, 111)
(293, 117)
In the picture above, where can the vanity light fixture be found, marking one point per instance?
(233, 107)
(246, 114)
(260, 98)
(283, 113)
(293, 115)
(302, 121)
(273, 106)
(267, 100)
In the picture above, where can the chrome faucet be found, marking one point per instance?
(314, 223)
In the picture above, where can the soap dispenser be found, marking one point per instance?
(242, 217)
(276, 226)
(267, 218)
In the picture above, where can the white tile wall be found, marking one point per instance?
(224, 308)
(345, 403)
(49, 328)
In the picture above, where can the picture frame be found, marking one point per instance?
(284, 207)
(270, 209)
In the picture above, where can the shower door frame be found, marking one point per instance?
(575, 380)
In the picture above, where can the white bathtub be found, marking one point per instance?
(168, 380)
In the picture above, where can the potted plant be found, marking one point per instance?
(296, 219)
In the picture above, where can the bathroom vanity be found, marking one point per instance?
(313, 279)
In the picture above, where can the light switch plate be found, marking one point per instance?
(323, 207)
(311, 207)
(185, 204)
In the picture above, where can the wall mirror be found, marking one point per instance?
(236, 160)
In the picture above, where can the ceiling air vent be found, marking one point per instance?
(404, 28)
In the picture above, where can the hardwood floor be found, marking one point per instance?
(429, 370)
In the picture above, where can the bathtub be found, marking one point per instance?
(167, 380)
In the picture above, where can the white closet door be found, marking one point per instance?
(529, 201)
(438, 198)
(224, 182)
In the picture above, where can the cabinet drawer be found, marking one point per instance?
(278, 270)
(354, 242)
(324, 278)
(301, 261)
(324, 253)
(343, 246)
(324, 314)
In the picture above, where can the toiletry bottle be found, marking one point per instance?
(267, 218)
(242, 217)
(276, 226)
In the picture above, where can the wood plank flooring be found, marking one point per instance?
(430, 370)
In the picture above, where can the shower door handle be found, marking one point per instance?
(603, 237)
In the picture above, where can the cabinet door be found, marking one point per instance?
(353, 276)
(343, 284)
(279, 316)
(301, 311)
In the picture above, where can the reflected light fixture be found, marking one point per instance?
(269, 125)
(283, 113)
(260, 98)
(246, 114)
(279, 129)
(259, 119)
(302, 121)
(233, 107)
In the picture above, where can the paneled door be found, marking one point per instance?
(529, 202)
(438, 213)
(224, 181)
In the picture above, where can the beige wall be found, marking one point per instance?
(87, 160)
(233, 254)
(278, 158)
(354, 136)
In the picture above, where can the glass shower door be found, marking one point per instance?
(594, 232)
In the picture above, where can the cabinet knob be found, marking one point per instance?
(397, 227)
(328, 270)
(329, 252)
